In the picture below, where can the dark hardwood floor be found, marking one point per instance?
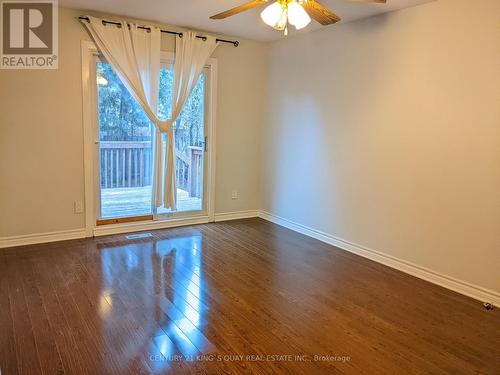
(242, 297)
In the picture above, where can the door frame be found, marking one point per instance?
(91, 169)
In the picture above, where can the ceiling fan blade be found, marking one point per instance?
(319, 12)
(238, 9)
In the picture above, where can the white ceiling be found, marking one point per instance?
(195, 13)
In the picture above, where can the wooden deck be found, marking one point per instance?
(122, 202)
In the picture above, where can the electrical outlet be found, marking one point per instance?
(234, 194)
(78, 207)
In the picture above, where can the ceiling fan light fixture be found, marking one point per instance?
(281, 12)
(297, 16)
(274, 14)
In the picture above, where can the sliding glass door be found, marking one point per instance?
(189, 130)
(125, 152)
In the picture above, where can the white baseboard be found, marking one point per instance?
(236, 215)
(470, 290)
(31, 239)
(139, 226)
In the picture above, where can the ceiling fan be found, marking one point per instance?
(298, 13)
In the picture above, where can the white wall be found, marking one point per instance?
(386, 132)
(41, 134)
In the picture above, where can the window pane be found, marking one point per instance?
(189, 130)
(125, 135)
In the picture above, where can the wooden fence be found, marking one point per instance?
(129, 164)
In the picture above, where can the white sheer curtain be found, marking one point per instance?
(134, 54)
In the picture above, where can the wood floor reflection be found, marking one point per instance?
(238, 297)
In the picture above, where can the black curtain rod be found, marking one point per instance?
(179, 34)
